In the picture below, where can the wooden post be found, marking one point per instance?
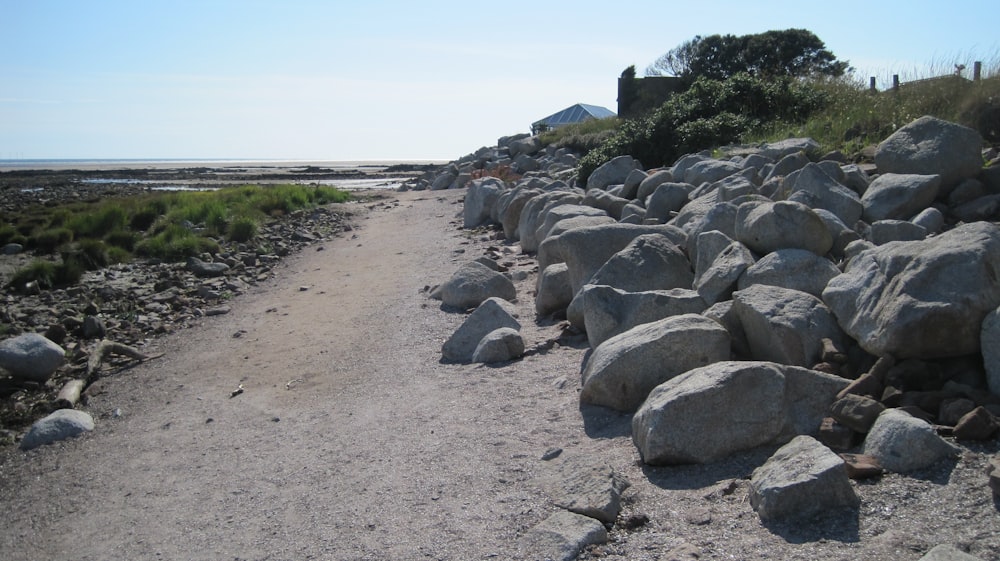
(871, 84)
(977, 71)
(895, 82)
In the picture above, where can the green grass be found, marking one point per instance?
(582, 137)
(167, 225)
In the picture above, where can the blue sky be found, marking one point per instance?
(303, 79)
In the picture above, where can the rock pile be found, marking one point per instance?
(748, 300)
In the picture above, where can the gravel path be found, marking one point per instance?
(351, 440)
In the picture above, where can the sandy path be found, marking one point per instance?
(350, 441)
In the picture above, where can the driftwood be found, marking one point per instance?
(69, 395)
(105, 348)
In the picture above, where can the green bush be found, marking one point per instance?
(709, 113)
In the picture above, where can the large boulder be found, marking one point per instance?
(608, 311)
(720, 217)
(710, 171)
(783, 325)
(624, 369)
(931, 146)
(899, 196)
(509, 207)
(613, 172)
(561, 218)
(903, 443)
(924, 299)
(534, 212)
(480, 198)
(816, 189)
(648, 262)
(30, 357)
(781, 148)
(472, 284)
(669, 197)
(721, 263)
(60, 425)
(648, 185)
(554, 290)
(493, 314)
(585, 250)
(605, 201)
(786, 224)
(796, 269)
(803, 478)
(711, 412)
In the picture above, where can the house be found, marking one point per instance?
(571, 115)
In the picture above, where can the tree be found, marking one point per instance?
(676, 61)
(792, 52)
(628, 90)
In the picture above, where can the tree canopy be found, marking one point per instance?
(791, 52)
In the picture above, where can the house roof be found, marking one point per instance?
(575, 114)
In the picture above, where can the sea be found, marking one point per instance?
(227, 165)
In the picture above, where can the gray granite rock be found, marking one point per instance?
(59, 425)
(803, 478)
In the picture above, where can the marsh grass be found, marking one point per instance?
(168, 225)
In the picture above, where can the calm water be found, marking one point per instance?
(94, 164)
(371, 166)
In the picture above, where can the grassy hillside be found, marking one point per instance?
(841, 114)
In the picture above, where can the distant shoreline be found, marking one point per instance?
(172, 164)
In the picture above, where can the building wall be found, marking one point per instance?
(650, 93)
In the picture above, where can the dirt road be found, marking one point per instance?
(352, 441)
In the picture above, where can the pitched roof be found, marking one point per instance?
(575, 114)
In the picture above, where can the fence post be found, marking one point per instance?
(871, 84)
(895, 82)
(977, 71)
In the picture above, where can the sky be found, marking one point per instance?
(388, 80)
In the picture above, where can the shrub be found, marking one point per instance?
(709, 113)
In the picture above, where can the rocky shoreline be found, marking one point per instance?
(773, 297)
(129, 304)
